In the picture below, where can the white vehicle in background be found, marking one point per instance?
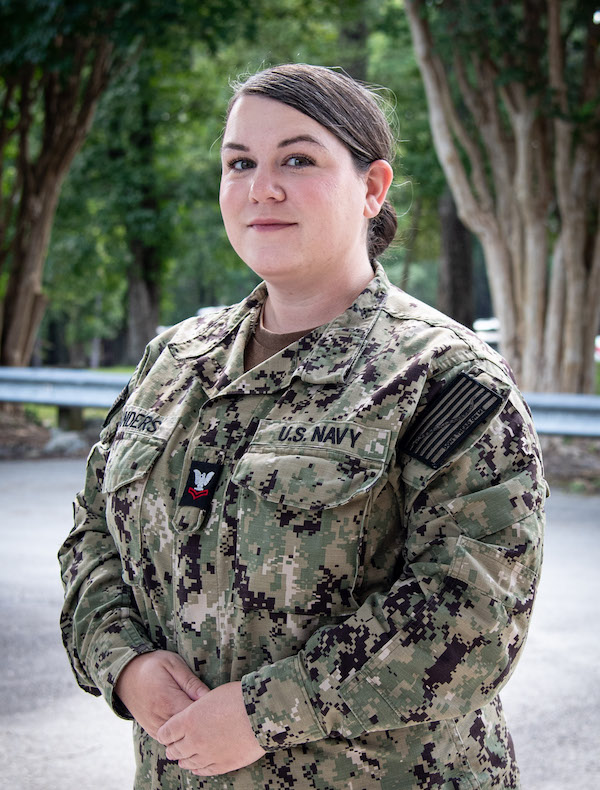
(488, 329)
(202, 311)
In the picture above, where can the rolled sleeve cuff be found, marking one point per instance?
(279, 705)
(113, 649)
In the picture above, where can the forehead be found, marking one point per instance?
(258, 119)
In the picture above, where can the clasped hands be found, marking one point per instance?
(207, 731)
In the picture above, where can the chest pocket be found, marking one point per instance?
(125, 482)
(301, 519)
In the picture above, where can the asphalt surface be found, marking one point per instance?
(55, 737)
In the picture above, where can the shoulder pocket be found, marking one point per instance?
(485, 568)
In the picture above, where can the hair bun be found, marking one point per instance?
(382, 230)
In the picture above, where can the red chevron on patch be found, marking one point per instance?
(200, 485)
(196, 494)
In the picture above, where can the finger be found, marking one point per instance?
(209, 770)
(195, 763)
(178, 751)
(171, 731)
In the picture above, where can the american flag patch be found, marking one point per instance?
(454, 414)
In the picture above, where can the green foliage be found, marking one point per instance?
(513, 37)
(150, 169)
(418, 176)
(33, 31)
(423, 279)
(169, 105)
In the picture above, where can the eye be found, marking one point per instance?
(298, 160)
(240, 164)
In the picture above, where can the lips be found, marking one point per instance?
(269, 224)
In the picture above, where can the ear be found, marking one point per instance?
(378, 179)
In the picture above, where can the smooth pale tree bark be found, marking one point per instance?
(524, 175)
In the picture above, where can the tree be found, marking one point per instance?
(455, 285)
(412, 261)
(142, 197)
(353, 37)
(57, 68)
(514, 107)
(56, 60)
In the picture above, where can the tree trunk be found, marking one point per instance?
(143, 302)
(455, 285)
(409, 242)
(24, 303)
(353, 38)
(67, 108)
(145, 270)
(523, 165)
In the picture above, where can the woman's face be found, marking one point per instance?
(293, 203)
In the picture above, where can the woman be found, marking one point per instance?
(308, 545)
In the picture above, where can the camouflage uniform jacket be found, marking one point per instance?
(353, 528)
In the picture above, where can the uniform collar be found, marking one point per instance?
(215, 346)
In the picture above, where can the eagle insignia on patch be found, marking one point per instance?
(201, 483)
(452, 416)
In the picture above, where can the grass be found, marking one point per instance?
(117, 369)
(48, 415)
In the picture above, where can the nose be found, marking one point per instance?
(265, 186)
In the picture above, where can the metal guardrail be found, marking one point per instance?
(61, 387)
(565, 414)
(70, 390)
(561, 414)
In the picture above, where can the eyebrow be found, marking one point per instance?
(300, 138)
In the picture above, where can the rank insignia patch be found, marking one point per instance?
(452, 416)
(201, 484)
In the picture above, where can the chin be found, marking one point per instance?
(270, 267)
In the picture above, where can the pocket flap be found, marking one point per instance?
(486, 568)
(309, 482)
(129, 460)
(492, 509)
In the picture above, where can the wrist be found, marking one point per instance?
(124, 676)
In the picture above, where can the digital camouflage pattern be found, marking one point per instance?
(289, 527)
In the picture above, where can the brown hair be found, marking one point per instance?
(347, 109)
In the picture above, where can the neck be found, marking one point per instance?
(290, 308)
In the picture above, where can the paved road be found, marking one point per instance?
(54, 737)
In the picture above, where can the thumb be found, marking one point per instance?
(188, 682)
(195, 688)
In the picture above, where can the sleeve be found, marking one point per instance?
(444, 639)
(101, 627)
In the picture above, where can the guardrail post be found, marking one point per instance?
(70, 418)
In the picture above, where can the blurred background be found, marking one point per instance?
(110, 120)
(109, 162)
